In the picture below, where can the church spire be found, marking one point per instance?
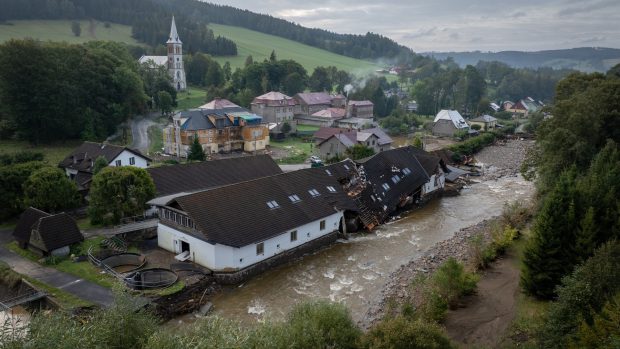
(174, 36)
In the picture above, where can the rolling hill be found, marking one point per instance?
(586, 59)
(260, 45)
(60, 30)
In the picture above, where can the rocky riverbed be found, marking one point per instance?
(503, 159)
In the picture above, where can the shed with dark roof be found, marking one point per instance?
(46, 234)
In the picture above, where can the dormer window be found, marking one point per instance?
(314, 192)
(272, 204)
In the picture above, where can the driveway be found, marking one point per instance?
(139, 132)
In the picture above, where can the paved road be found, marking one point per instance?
(78, 287)
(139, 132)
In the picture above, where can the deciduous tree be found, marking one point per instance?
(50, 190)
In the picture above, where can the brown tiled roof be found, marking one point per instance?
(238, 215)
(331, 113)
(274, 99)
(313, 98)
(219, 103)
(209, 174)
(56, 231)
(326, 132)
(83, 157)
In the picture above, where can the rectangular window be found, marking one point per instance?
(260, 248)
(328, 172)
(346, 167)
(331, 189)
(294, 198)
(395, 179)
(386, 186)
(322, 225)
(406, 171)
(118, 163)
(294, 235)
(132, 160)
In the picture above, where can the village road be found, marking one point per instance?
(78, 287)
(139, 132)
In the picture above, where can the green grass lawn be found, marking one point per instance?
(260, 45)
(54, 153)
(60, 30)
(193, 97)
(307, 128)
(298, 150)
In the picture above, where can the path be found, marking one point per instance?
(488, 314)
(78, 287)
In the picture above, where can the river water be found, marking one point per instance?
(354, 271)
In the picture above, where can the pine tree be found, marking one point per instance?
(196, 153)
(272, 56)
(551, 253)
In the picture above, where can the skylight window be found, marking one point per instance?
(395, 179)
(272, 204)
(346, 167)
(328, 172)
(331, 189)
(386, 186)
(406, 171)
(294, 198)
(314, 192)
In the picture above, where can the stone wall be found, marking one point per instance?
(284, 257)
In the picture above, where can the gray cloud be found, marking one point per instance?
(456, 25)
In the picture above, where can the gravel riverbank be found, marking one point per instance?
(499, 161)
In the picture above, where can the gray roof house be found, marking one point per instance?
(46, 234)
(447, 122)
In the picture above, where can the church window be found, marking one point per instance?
(178, 75)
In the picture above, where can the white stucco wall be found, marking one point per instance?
(124, 157)
(226, 258)
(436, 182)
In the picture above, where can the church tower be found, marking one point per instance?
(175, 58)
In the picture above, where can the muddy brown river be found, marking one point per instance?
(354, 271)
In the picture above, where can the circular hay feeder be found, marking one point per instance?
(124, 262)
(150, 279)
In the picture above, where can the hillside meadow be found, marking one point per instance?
(60, 30)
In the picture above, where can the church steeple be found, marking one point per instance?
(175, 58)
(174, 36)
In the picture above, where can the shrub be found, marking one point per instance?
(451, 281)
(400, 333)
(321, 324)
(604, 331)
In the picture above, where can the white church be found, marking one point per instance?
(174, 59)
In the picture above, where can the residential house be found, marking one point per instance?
(486, 122)
(526, 106)
(412, 106)
(183, 179)
(241, 229)
(360, 109)
(333, 142)
(393, 179)
(220, 126)
(79, 164)
(311, 102)
(447, 122)
(506, 105)
(436, 170)
(323, 118)
(46, 234)
(276, 108)
(355, 123)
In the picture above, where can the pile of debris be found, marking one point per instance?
(186, 301)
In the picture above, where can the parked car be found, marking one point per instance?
(315, 158)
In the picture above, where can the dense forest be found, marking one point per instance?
(573, 256)
(149, 20)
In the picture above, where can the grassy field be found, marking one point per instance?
(54, 153)
(192, 98)
(60, 30)
(296, 149)
(260, 45)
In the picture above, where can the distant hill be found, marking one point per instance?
(586, 59)
(260, 45)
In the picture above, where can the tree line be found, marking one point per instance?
(149, 19)
(573, 255)
(58, 91)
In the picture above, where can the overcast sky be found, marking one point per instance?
(459, 25)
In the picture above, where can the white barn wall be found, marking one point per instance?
(221, 257)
